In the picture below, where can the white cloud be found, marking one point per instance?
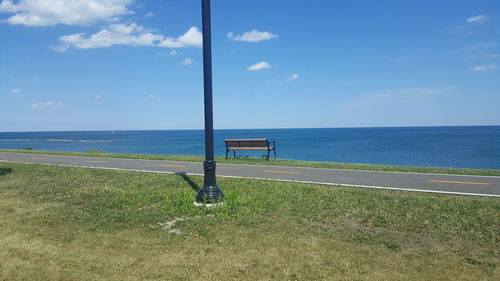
(152, 97)
(252, 36)
(130, 35)
(192, 38)
(187, 61)
(98, 97)
(85, 12)
(16, 91)
(47, 104)
(480, 68)
(174, 53)
(53, 12)
(259, 66)
(292, 77)
(478, 19)
(114, 34)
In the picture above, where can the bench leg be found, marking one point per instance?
(227, 151)
(269, 151)
(234, 153)
(274, 150)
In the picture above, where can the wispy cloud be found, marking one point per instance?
(482, 45)
(152, 97)
(292, 77)
(469, 26)
(259, 66)
(130, 35)
(149, 15)
(252, 36)
(53, 12)
(171, 53)
(485, 56)
(405, 57)
(481, 68)
(187, 61)
(407, 93)
(98, 97)
(403, 94)
(16, 91)
(47, 104)
(399, 58)
(477, 19)
(486, 50)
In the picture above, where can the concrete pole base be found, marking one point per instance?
(208, 205)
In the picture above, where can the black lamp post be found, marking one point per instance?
(210, 193)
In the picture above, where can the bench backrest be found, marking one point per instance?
(247, 143)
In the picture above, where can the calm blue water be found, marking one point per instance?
(466, 147)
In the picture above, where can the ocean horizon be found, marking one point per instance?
(431, 146)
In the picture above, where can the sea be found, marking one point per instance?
(456, 147)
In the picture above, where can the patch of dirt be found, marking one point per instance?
(154, 206)
(169, 225)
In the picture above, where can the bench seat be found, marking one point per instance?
(250, 144)
(248, 148)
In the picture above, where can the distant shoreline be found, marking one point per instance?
(244, 129)
(54, 140)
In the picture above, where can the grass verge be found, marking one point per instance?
(272, 162)
(68, 223)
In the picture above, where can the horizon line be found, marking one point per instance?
(282, 128)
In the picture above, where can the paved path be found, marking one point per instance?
(437, 183)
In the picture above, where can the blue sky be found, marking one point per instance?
(125, 64)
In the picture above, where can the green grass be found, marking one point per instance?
(273, 162)
(68, 223)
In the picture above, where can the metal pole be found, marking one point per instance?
(210, 193)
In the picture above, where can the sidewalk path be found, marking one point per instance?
(437, 183)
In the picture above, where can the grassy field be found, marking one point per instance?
(67, 223)
(274, 162)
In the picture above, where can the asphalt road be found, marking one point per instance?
(437, 183)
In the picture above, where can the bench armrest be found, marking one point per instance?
(272, 143)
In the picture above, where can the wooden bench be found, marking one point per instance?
(250, 144)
